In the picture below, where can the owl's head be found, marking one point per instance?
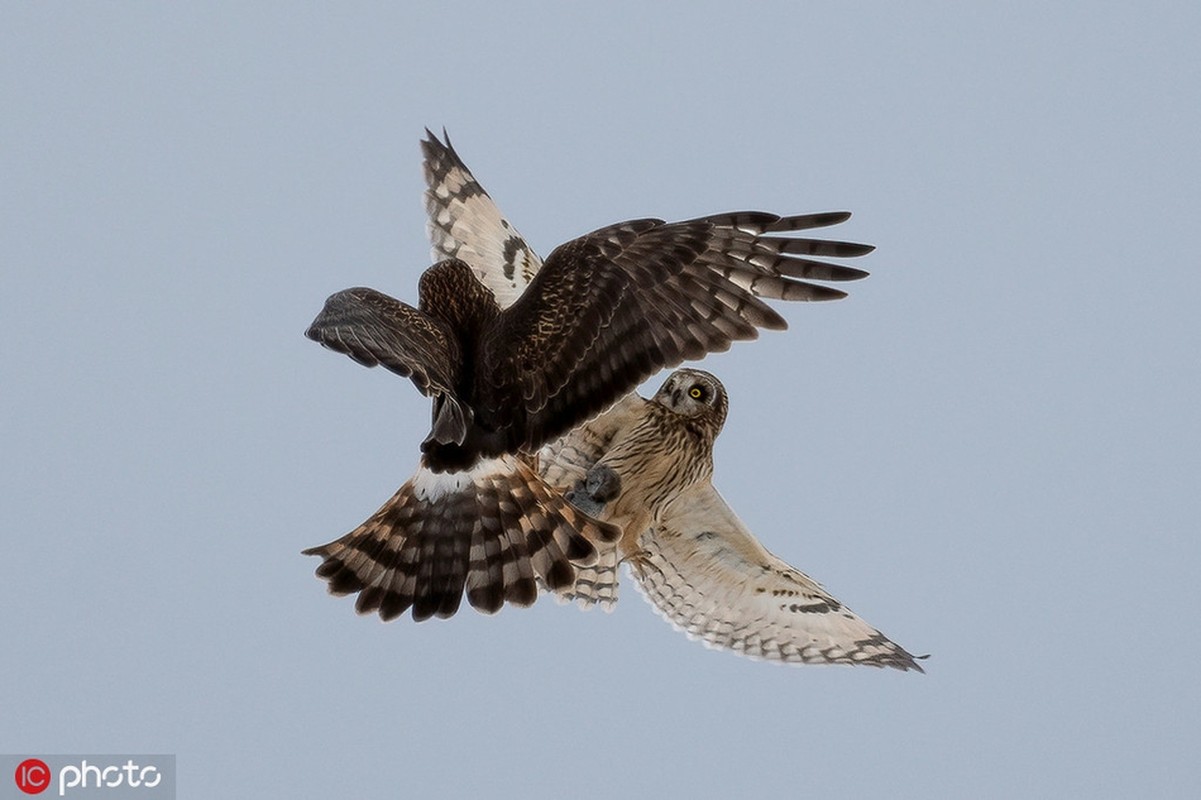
(694, 393)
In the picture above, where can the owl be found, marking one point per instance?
(515, 353)
(647, 466)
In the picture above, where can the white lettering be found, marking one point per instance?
(157, 777)
(89, 769)
(129, 768)
(64, 786)
(90, 775)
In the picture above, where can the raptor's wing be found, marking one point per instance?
(464, 223)
(375, 329)
(707, 575)
(609, 309)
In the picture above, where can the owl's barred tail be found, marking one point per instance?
(494, 531)
(596, 584)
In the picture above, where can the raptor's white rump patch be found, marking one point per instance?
(430, 486)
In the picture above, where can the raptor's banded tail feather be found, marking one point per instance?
(495, 531)
(596, 584)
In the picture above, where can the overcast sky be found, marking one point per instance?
(990, 450)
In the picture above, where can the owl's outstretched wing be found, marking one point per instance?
(609, 309)
(707, 575)
(464, 223)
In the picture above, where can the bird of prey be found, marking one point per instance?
(515, 353)
(646, 466)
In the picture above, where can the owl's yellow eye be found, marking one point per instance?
(696, 393)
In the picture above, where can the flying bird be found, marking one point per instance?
(513, 353)
(647, 467)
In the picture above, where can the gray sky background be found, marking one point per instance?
(990, 450)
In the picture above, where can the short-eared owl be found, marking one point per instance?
(515, 353)
(646, 466)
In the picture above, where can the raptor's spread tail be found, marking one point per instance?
(495, 530)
